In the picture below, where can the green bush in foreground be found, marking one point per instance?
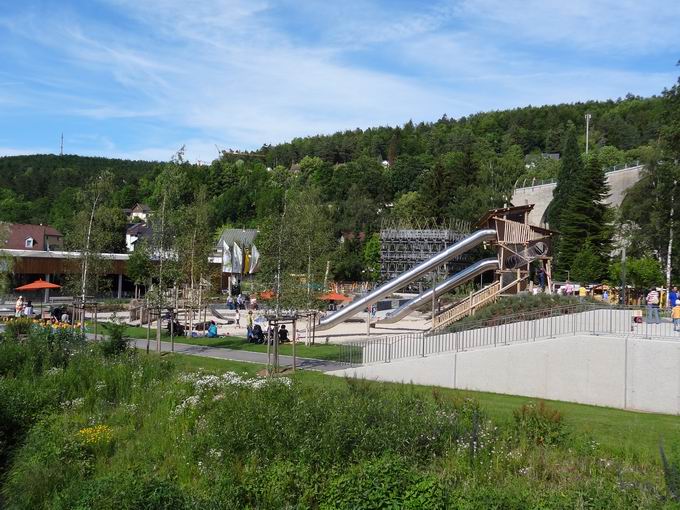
(82, 427)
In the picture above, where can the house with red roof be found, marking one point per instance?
(20, 236)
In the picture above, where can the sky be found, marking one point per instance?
(141, 78)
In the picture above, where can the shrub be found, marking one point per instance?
(116, 343)
(18, 327)
(540, 423)
(386, 482)
(125, 490)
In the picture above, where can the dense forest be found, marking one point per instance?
(451, 168)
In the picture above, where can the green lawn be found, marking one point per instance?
(316, 351)
(631, 435)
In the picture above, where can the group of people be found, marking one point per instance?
(241, 302)
(23, 308)
(653, 301)
(256, 335)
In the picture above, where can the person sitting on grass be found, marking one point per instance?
(283, 334)
(257, 335)
(212, 330)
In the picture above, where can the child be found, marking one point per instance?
(675, 314)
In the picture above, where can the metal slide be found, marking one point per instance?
(401, 281)
(426, 297)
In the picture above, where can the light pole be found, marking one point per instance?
(588, 117)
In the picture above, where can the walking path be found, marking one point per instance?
(236, 355)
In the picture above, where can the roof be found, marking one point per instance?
(503, 211)
(59, 254)
(19, 232)
(141, 208)
(139, 230)
(242, 236)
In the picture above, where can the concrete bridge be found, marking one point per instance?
(540, 193)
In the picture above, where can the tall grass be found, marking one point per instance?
(82, 427)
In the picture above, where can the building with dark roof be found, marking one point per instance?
(22, 236)
(135, 233)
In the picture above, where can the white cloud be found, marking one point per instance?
(222, 71)
(596, 25)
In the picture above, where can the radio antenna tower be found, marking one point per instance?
(61, 151)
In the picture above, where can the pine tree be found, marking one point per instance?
(571, 166)
(583, 222)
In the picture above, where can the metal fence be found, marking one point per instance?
(543, 182)
(592, 319)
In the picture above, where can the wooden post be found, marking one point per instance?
(269, 360)
(95, 321)
(172, 330)
(313, 328)
(148, 329)
(294, 339)
(158, 330)
(368, 320)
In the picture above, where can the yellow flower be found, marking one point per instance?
(95, 435)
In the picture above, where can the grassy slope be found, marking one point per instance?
(629, 434)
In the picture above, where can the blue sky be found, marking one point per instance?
(140, 78)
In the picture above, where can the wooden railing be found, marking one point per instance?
(467, 306)
(471, 303)
(516, 233)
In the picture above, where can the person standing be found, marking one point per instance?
(653, 307)
(672, 297)
(238, 318)
(582, 293)
(541, 279)
(28, 309)
(19, 307)
(675, 315)
(249, 325)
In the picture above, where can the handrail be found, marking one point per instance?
(475, 300)
(466, 306)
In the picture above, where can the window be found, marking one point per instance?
(29, 242)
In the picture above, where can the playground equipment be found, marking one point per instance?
(406, 278)
(451, 283)
(517, 243)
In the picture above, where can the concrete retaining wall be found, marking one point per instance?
(626, 373)
(619, 181)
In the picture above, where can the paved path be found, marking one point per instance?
(236, 355)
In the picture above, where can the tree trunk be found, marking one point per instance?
(86, 254)
(669, 251)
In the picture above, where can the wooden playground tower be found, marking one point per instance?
(518, 244)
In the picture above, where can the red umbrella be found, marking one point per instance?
(334, 296)
(267, 294)
(39, 284)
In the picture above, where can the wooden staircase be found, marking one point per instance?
(472, 303)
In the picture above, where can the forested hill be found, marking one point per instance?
(40, 188)
(450, 168)
(624, 124)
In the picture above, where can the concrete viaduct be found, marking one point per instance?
(541, 193)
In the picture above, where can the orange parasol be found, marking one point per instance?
(39, 284)
(267, 294)
(334, 296)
